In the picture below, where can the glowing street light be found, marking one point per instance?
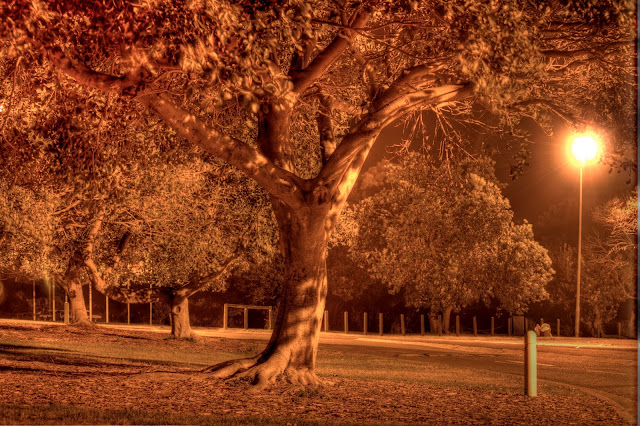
(584, 148)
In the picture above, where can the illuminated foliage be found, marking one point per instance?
(444, 237)
(610, 262)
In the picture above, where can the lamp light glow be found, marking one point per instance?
(584, 148)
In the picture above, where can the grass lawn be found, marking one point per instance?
(65, 375)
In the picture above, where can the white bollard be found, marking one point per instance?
(530, 365)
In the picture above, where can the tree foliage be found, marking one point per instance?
(610, 261)
(444, 236)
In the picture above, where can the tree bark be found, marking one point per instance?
(629, 324)
(293, 346)
(433, 323)
(180, 323)
(77, 307)
(72, 285)
(446, 320)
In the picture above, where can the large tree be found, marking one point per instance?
(319, 81)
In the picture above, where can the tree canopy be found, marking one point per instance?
(444, 237)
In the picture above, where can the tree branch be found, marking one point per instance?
(196, 285)
(343, 167)
(280, 183)
(325, 126)
(303, 79)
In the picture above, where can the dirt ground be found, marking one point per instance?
(40, 377)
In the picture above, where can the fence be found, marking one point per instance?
(40, 301)
(511, 326)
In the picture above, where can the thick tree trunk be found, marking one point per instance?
(446, 320)
(180, 323)
(72, 285)
(77, 307)
(293, 346)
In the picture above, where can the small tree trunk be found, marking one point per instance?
(629, 325)
(433, 323)
(180, 324)
(597, 325)
(446, 320)
(76, 303)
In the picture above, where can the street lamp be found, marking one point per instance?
(584, 148)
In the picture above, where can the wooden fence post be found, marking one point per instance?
(558, 327)
(90, 303)
(457, 325)
(34, 299)
(326, 321)
(509, 326)
(225, 316)
(492, 326)
(66, 308)
(270, 317)
(365, 324)
(402, 329)
(53, 306)
(619, 330)
(246, 319)
(106, 309)
(380, 324)
(422, 325)
(150, 305)
(346, 322)
(475, 326)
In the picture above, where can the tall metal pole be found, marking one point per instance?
(579, 260)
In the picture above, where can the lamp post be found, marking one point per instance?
(584, 148)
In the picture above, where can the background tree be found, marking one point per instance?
(319, 81)
(173, 201)
(610, 263)
(184, 232)
(444, 236)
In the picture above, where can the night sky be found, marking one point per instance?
(550, 181)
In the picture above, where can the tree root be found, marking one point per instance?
(83, 323)
(227, 369)
(191, 337)
(262, 374)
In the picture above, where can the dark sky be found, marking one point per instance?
(551, 181)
